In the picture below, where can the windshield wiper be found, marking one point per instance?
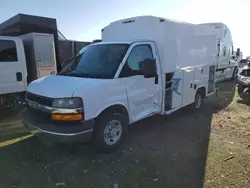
(77, 74)
(83, 75)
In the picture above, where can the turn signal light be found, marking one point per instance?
(71, 117)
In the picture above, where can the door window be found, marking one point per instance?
(138, 54)
(218, 49)
(224, 50)
(232, 49)
(8, 52)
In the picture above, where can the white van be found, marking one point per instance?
(144, 66)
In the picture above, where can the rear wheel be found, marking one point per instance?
(199, 99)
(110, 131)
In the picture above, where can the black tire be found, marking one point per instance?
(102, 122)
(198, 100)
(244, 92)
(235, 72)
(240, 89)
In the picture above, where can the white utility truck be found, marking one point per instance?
(227, 63)
(144, 66)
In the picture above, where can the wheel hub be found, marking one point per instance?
(198, 101)
(112, 132)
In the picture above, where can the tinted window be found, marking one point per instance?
(138, 53)
(224, 51)
(7, 51)
(245, 72)
(218, 49)
(97, 61)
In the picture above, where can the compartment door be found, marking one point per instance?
(188, 87)
(177, 89)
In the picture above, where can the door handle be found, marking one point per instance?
(19, 76)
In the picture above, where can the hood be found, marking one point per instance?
(58, 86)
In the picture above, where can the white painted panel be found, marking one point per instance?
(188, 87)
(177, 85)
(45, 54)
(179, 44)
(10, 69)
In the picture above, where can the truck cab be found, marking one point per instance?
(13, 72)
(226, 63)
(104, 79)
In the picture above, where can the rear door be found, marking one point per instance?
(12, 66)
(45, 54)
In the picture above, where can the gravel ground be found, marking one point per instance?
(185, 150)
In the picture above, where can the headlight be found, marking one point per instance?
(68, 103)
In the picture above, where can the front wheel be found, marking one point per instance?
(244, 92)
(240, 89)
(109, 132)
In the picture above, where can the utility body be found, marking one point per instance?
(144, 66)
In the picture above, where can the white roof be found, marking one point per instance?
(221, 30)
(179, 44)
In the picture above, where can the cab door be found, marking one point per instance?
(144, 94)
(12, 69)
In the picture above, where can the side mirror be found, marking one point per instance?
(148, 68)
(238, 52)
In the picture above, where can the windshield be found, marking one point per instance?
(245, 73)
(96, 61)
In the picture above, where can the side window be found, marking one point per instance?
(218, 49)
(224, 50)
(8, 52)
(245, 72)
(232, 50)
(138, 53)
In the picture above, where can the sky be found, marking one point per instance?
(83, 19)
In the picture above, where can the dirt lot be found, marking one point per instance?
(210, 148)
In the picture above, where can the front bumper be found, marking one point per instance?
(242, 83)
(39, 123)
